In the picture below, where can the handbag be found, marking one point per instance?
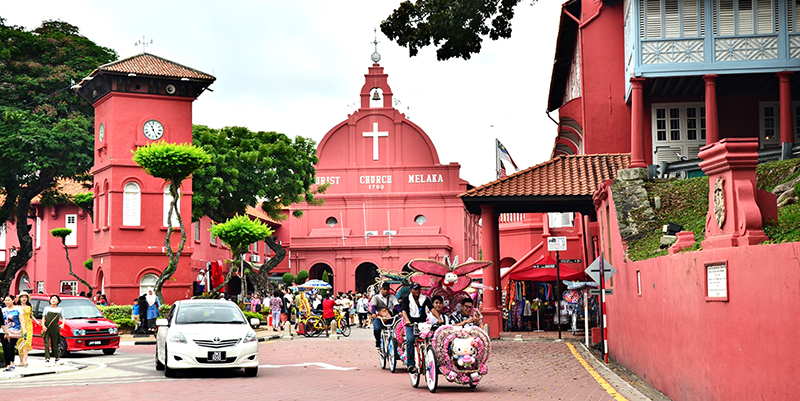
(14, 334)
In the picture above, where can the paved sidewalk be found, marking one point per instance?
(37, 367)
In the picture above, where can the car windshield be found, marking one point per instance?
(222, 313)
(79, 309)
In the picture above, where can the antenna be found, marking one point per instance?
(144, 44)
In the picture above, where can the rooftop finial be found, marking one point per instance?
(144, 44)
(376, 56)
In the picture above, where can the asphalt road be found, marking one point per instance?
(311, 369)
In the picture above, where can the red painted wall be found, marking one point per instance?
(693, 349)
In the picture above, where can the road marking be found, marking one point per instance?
(610, 390)
(321, 365)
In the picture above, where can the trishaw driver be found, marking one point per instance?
(413, 310)
(380, 301)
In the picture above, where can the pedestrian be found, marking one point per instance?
(152, 310)
(275, 307)
(102, 300)
(201, 281)
(288, 301)
(248, 303)
(135, 315)
(413, 309)
(24, 343)
(346, 304)
(12, 330)
(52, 323)
(142, 313)
(328, 313)
(362, 305)
(256, 306)
(83, 294)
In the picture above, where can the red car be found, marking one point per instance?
(85, 328)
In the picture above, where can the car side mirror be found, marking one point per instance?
(254, 323)
(162, 322)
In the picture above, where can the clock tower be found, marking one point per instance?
(137, 101)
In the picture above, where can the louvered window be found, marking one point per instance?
(794, 9)
(746, 17)
(661, 19)
(131, 205)
(167, 204)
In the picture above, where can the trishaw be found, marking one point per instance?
(458, 353)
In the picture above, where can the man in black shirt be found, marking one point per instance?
(413, 310)
(464, 316)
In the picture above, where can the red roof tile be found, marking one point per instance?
(574, 175)
(150, 65)
(259, 214)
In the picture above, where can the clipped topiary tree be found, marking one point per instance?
(239, 232)
(85, 201)
(174, 163)
(288, 278)
(88, 264)
(326, 278)
(301, 277)
(63, 233)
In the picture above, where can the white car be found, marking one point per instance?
(206, 334)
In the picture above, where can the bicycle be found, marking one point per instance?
(315, 325)
(388, 347)
(424, 358)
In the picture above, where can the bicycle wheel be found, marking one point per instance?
(344, 328)
(383, 352)
(431, 370)
(415, 377)
(317, 326)
(391, 354)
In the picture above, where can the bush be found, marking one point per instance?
(288, 278)
(118, 312)
(301, 277)
(251, 315)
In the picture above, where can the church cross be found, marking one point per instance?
(375, 134)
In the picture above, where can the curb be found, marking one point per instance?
(33, 374)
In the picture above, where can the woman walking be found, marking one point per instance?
(12, 330)
(275, 305)
(152, 310)
(52, 322)
(27, 319)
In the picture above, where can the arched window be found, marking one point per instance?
(420, 220)
(132, 205)
(167, 202)
(147, 283)
(331, 221)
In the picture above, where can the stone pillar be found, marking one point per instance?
(786, 126)
(734, 218)
(637, 124)
(490, 244)
(712, 121)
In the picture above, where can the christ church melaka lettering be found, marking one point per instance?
(375, 181)
(328, 180)
(424, 178)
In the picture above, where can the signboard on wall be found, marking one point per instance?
(717, 281)
(556, 244)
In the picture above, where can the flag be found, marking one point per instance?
(502, 154)
(502, 172)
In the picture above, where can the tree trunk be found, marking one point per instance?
(174, 257)
(261, 279)
(71, 273)
(25, 251)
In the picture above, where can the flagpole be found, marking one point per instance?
(496, 158)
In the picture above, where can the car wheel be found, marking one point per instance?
(159, 365)
(167, 371)
(109, 351)
(62, 348)
(251, 372)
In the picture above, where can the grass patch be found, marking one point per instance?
(787, 229)
(769, 175)
(684, 202)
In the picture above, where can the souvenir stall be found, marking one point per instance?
(576, 298)
(533, 294)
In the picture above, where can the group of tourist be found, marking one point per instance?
(17, 327)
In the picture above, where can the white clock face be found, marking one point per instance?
(153, 130)
(102, 132)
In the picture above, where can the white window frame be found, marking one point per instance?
(775, 141)
(38, 231)
(735, 21)
(132, 205)
(197, 232)
(73, 286)
(40, 287)
(669, 19)
(71, 222)
(666, 149)
(167, 201)
(213, 239)
(3, 242)
(151, 283)
(558, 220)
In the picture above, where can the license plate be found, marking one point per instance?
(96, 342)
(216, 356)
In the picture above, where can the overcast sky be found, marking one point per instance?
(297, 67)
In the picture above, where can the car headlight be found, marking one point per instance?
(177, 338)
(76, 332)
(112, 330)
(251, 336)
